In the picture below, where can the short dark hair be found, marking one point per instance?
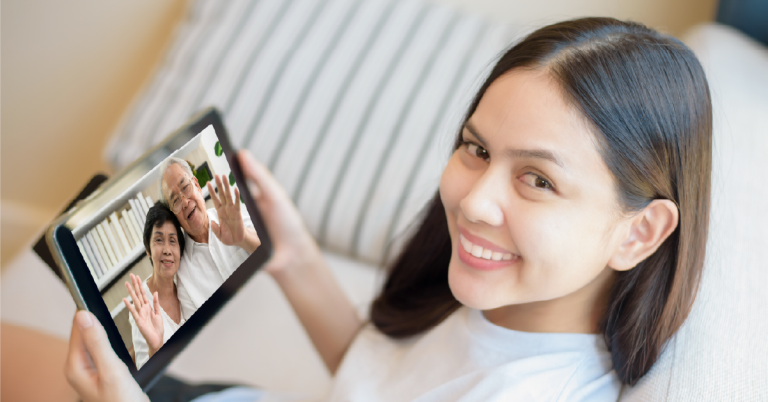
(647, 98)
(156, 217)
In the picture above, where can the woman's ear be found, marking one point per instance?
(150, 257)
(648, 230)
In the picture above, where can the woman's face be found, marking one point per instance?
(165, 251)
(531, 206)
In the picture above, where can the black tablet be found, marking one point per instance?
(101, 241)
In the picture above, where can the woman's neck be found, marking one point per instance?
(163, 286)
(578, 312)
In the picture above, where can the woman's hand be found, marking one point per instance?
(149, 321)
(93, 369)
(294, 247)
(298, 268)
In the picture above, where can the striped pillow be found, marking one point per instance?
(352, 104)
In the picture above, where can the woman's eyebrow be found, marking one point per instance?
(535, 153)
(472, 130)
(519, 153)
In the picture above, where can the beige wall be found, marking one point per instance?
(670, 16)
(70, 68)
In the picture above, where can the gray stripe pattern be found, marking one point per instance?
(346, 101)
(372, 103)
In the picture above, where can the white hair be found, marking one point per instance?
(164, 167)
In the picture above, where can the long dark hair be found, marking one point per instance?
(647, 98)
(157, 215)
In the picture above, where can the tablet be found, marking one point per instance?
(101, 241)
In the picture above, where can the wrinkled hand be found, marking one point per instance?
(230, 229)
(294, 246)
(149, 321)
(93, 369)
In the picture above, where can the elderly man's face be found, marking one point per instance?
(193, 215)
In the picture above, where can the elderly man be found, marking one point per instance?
(218, 240)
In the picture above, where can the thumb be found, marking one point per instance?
(96, 342)
(216, 229)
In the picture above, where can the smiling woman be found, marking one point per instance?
(576, 199)
(156, 313)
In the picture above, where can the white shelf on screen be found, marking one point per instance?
(134, 254)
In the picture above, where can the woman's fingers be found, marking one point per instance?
(266, 186)
(157, 303)
(79, 368)
(92, 367)
(140, 290)
(132, 293)
(96, 341)
(90, 356)
(132, 310)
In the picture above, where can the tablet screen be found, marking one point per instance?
(166, 240)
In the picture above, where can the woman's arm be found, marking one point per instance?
(298, 267)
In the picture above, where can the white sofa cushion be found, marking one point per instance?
(345, 100)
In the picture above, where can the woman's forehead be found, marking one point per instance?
(167, 228)
(526, 109)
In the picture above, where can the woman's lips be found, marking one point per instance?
(481, 254)
(167, 263)
(484, 253)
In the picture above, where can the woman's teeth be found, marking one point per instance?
(481, 252)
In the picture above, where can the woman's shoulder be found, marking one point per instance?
(466, 355)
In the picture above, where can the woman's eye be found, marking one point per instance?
(478, 151)
(535, 180)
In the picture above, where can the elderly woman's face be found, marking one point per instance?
(164, 250)
(192, 216)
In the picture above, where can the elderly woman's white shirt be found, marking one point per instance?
(140, 347)
(204, 267)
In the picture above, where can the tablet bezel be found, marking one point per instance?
(82, 285)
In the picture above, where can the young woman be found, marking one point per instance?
(156, 313)
(563, 248)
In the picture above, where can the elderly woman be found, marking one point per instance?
(156, 313)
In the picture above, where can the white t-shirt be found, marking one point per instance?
(140, 347)
(467, 358)
(204, 267)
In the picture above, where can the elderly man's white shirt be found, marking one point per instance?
(204, 267)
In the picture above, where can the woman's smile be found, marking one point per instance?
(482, 254)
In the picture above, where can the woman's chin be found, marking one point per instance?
(472, 291)
(169, 272)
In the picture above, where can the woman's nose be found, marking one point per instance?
(484, 201)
